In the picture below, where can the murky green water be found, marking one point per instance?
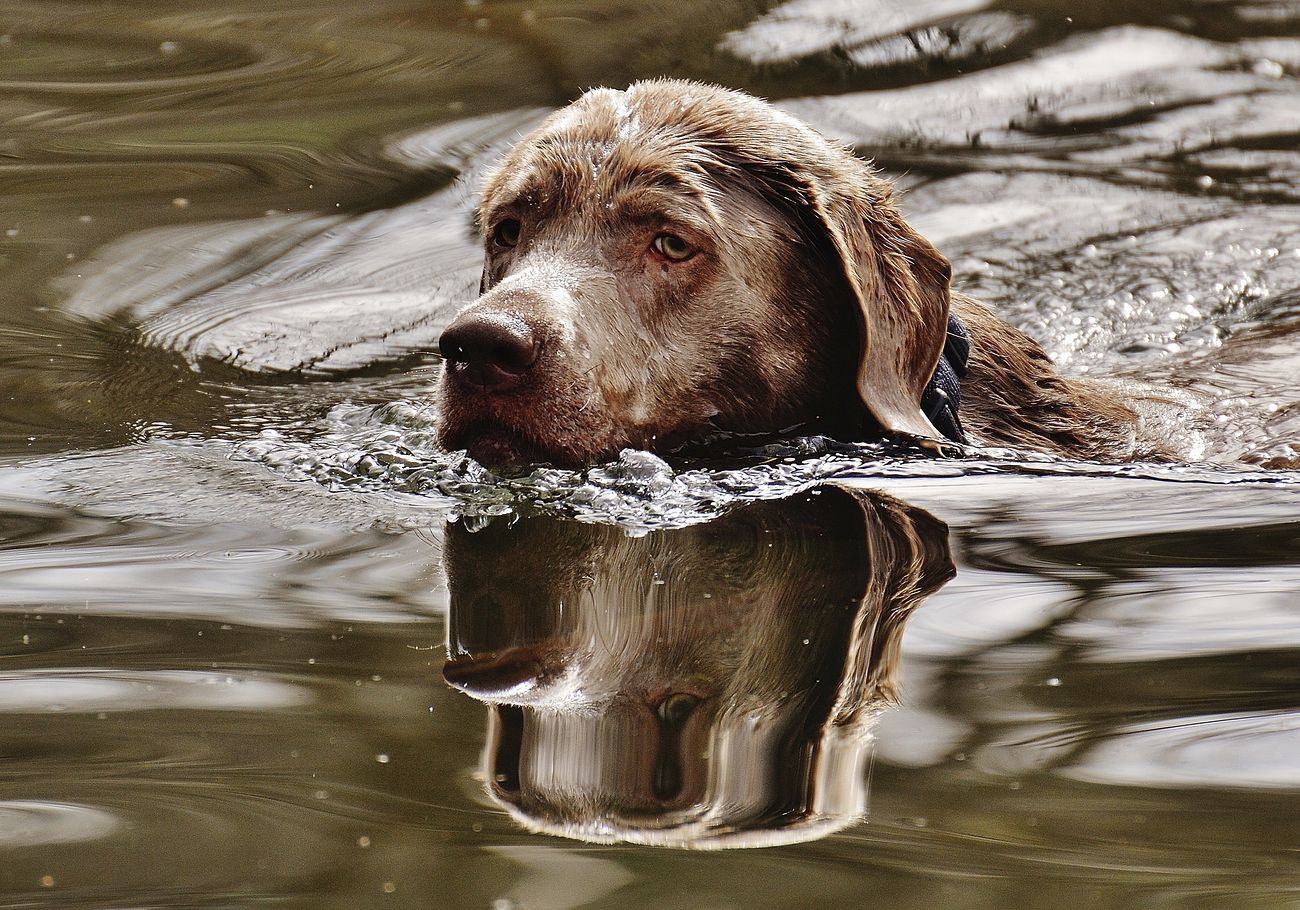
(245, 662)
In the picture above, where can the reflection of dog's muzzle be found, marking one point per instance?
(496, 677)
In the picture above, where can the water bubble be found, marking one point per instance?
(1268, 68)
(391, 451)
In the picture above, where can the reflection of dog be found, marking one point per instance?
(678, 258)
(708, 687)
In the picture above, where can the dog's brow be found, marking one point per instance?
(639, 202)
(658, 178)
(636, 193)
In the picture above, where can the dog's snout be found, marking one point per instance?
(492, 351)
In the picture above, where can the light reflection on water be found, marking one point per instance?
(1000, 727)
(228, 238)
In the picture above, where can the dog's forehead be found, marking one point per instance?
(593, 148)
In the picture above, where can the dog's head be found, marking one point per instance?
(713, 686)
(678, 258)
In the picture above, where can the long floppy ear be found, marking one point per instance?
(897, 282)
(900, 285)
(908, 558)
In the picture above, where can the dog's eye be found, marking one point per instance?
(506, 233)
(673, 248)
(676, 708)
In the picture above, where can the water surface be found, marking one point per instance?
(245, 660)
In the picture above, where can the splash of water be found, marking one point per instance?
(391, 450)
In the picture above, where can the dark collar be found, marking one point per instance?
(942, 395)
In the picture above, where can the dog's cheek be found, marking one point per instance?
(493, 272)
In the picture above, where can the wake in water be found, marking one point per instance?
(390, 450)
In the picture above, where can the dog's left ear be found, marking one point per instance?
(900, 284)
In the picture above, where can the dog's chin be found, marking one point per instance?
(510, 450)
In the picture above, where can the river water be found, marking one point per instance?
(263, 644)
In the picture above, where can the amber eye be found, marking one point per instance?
(673, 248)
(506, 233)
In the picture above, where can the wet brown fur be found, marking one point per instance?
(810, 300)
(1013, 396)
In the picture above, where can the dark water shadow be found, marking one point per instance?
(708, 687)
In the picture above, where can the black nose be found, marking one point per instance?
(492, 351)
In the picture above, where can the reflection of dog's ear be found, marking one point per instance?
(909, 560)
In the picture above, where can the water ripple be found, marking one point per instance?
(59, 691)
(31, 823)
(1231, 750)
(391, 450)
